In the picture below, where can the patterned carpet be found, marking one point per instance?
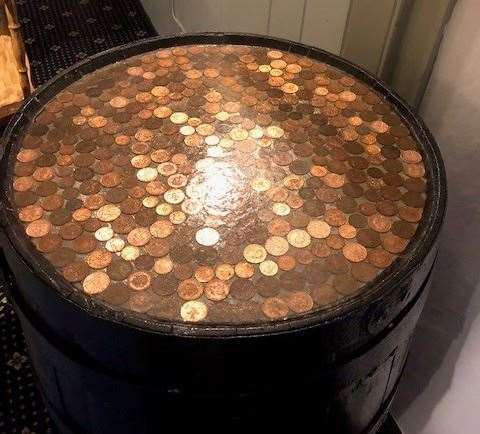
(57, 33)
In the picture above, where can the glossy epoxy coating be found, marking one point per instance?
(227, 184)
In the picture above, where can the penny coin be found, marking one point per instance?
(224, 272)
(318, 229)
(268, 268)
(324, 295)
(276, 246)
(98, 259)
(190, 289)
(76, 271)
(244, 270)
(254, 253)
(286, 262)
(108, 213)
(139, 237)
(207, 236)
(96, 282)
(242, 289)
(193, 311)
(204, 273)
(38, 228)
(161, 228)
(299, 302)
(30, 213)
(163, 265)
(380, 223)
(354, 252)
(139, 281)
(393, 244)
(275, 308)
(298, 238)
(216, 290)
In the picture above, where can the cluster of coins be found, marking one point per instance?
(219, 183)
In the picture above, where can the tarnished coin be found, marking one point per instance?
(275, 308)
(216, 290)
(300, 302)
(190, 289)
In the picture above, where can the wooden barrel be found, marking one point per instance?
(288, 297)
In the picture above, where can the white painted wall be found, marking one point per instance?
(316, 22)
(440, 392)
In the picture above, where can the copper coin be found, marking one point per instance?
(324, 295)
(190, 289)
(216, 290)
(76, 271)
(242, 289)
(96, 282)
(354, 252)
(98, 259)
(299, 302)
(275, 308)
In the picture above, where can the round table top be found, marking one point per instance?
(224, 184)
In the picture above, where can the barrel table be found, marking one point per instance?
(219, 231)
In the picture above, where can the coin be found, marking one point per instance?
(96, 282)
(318, 229)
(163, 265)
(139, 237)
(139, 281)
(108, 213)
(299, 302)
(242, 289)
(75, 271)
(254, 253)
(354, 252)
(193, 311)
(204, 273)
(276, 246)
(38, 228)
(161, 228)
(244, 270)
(275, 308)
(298, 238)
(207, 236)
(98, 259)
(216, 290)
(190, 289)
(268, 268)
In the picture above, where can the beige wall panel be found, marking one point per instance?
(286, 19)
(248, 16)
(324, 23)
(367, 31)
